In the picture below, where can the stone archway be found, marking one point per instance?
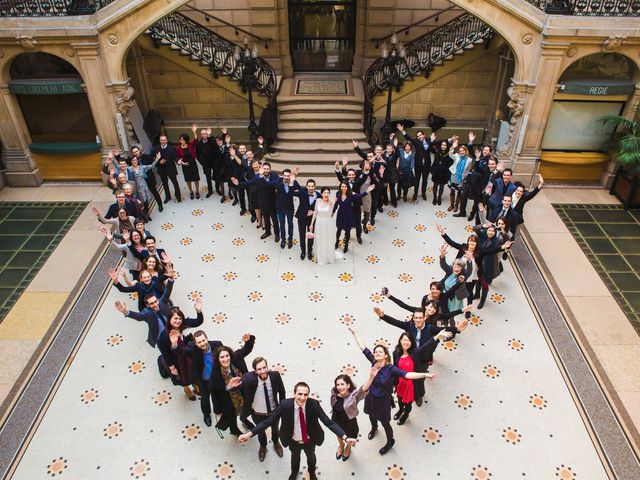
(51, 98)
(591, 84)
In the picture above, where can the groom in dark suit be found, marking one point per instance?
(307, 197)
(300, 428)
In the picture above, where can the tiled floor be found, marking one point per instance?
(500, 407)
(610, 238)
(29, 232)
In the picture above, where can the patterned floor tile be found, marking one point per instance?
(499, 409)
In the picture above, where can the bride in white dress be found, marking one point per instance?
(323, 228)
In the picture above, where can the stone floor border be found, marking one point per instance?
(53, 356)
(609, 433)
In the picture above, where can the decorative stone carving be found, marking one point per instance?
(113, 39)
(572, 52)
(27, 42)
(613, 44)
(516, 105)
(124, 103)
(69, 52)
(1, 53)
(527, 38)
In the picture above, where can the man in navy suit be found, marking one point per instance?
(511, 217)
(284, 206)
(307, 197)
(300, 428)
(265, 182)
(155, 314)
(501, 186)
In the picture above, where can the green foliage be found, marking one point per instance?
(625, 143)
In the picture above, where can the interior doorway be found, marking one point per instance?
(322, 35)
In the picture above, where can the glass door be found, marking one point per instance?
(322, 35)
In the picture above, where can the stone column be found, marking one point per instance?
(506, 60)
(537, 109)
(283, 39)
(102, 106)
(359, 64)
(20, 168)
(140, 78)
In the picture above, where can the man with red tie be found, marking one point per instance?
(300, 428)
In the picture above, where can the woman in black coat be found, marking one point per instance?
(172, 344)
(226, 383)
(440, 173)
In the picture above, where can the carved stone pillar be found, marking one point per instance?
(123, 96)
(517, 94)
(538, 105)
(20, 168)
(102, 107)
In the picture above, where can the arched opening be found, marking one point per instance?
(593, 86)
(58, 116)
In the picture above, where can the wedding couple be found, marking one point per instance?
(322, 227)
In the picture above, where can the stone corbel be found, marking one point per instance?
(124, 100)
(27, 42)
(517, 94)
(613, 43)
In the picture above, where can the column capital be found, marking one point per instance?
(86, 49)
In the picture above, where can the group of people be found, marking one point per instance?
(219, 374)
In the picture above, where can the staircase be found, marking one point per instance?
(423, 54)
(314, 131)
(190, 38)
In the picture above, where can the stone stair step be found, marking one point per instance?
(320, 117)
(318, 137)
(304, 162)
(314, 146)
(314, 158)
(320, 100)
(289, 126)
(320, 107)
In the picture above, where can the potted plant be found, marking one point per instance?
(625, 144)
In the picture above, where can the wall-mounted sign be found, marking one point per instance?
(46, 86)
(597, 87)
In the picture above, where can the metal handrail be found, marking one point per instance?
(414, 24)
(50, 8)
(196, 40)
(208, 16)
(589, 8)
(422, 55)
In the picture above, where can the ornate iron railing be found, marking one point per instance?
(592, 8)
(422, 55)
(200, 43)
(50, 8)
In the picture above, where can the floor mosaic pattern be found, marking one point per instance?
(610, 238)
(493, 413)
(29, 232)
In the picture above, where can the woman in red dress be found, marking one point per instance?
(405, 357)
